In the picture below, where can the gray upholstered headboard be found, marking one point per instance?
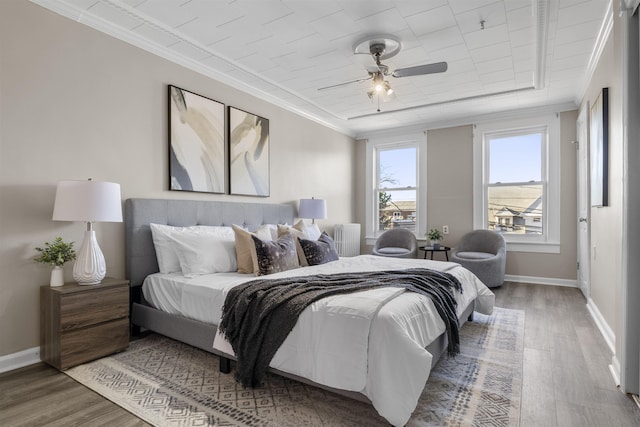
(140, 253)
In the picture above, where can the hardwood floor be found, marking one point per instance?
(40, 395)
(566, 379)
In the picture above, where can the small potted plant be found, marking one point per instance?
(56, 254)
(435, 236)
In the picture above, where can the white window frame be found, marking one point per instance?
(549, 242)
(417, 140)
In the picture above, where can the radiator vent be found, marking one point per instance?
(347, 239)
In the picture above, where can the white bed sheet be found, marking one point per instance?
(376, 365)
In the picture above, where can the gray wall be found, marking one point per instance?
(74, 104)
(606, 222)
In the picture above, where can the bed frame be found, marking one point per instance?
(141, 261)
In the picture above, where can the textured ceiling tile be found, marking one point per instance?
(461, 6)
(581, 13)
(517, 4)
(205, 33)
(359, 9)
(521, 38)
(451, 53)
(442, 39)
(495, 65)
(431, 21)
(487, 37)
(492, 14)
(493, 52)
(576, 32)
(387, 21)
(568, 49)
(413, 7)
(335, 26)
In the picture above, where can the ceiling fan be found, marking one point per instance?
(380, 48)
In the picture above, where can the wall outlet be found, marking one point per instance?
(445, 229)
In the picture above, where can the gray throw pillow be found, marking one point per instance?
(275, 256)
(319, 251)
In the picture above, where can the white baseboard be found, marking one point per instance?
(603, 326)
(20, 359)
(614, 368)
(541, 280)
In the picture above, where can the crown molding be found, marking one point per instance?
(603, 36)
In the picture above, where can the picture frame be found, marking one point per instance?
(249, 145)
(196, 142)
(599, 149)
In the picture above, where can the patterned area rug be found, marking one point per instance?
(167, 383)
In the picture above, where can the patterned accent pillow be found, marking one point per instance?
(275, 256)
(319, 251)
(246, 250)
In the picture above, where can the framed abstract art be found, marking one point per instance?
(248, 154)
(196, 142)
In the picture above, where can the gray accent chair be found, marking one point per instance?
(484, 253)
(397, 243)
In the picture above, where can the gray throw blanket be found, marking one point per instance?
(257, 316)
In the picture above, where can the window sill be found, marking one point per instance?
(533, 247)
(536, 247)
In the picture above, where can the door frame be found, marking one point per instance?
(583, 219)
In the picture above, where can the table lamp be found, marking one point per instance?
(88, 201)
(312, 209)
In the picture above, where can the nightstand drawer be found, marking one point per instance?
(82, 323)
(87, 344)
(79, 309)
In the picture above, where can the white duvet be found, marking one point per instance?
(371, 342)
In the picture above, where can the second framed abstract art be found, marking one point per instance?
(248, 154)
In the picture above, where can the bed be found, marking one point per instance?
(403, 328)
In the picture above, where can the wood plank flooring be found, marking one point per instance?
(566, 379)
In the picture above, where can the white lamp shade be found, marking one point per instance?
(88, 201)
(312, 209)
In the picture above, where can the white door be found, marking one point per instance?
(582, 130)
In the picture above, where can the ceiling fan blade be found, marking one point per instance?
(346, 83)
(437, 67)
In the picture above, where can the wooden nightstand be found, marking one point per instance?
(83, 323)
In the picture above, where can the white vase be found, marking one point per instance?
(57, 276)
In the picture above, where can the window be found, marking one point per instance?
(516, 182)
(395, 169)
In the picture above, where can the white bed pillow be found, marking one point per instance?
(194, 250)
(205, 250)
(312, 230)
(167, 257)
(273, 229)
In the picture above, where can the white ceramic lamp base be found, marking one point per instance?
(90, 267)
